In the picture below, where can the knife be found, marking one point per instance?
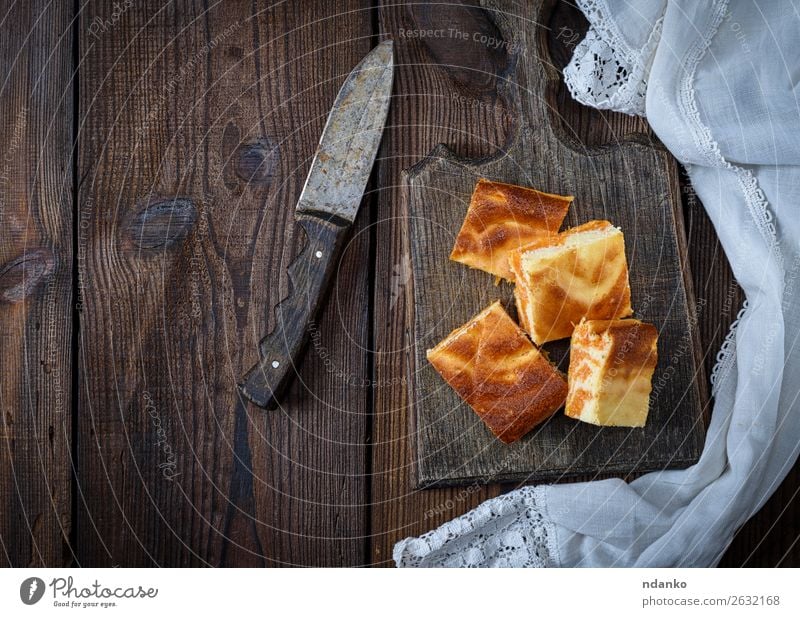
(325, 210)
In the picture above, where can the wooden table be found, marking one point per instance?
(152, 158)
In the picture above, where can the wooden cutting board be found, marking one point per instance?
(632, 184)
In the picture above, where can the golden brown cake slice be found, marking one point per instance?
(502, 218)
(610, 372)
(493, 366)
(580, 273)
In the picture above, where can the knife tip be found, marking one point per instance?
(386, 48)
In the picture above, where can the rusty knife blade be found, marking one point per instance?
(327, 206)
(350, 139)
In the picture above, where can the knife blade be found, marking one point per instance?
(326, 209)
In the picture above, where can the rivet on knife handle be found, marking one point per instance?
(309, 274)
(327, 206)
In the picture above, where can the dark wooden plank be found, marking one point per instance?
(588, 126)
(434, 80)
(200, 119)
(771, 538)
(630, 184)
(36, 221)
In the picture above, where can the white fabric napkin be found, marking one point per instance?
(718, 82)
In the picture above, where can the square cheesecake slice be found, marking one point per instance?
(502, 218)
(493, 366)
(580, 273)
(610, 372)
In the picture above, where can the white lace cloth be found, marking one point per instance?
(608, 70)
(718, 82)
(507, 531)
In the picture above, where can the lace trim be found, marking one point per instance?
(508, 531)
(754, 197)
(757, 204)
(604, 71)
(727, 353)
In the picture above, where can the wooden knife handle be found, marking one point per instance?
(309, 275)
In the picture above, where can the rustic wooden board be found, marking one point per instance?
(449, 96)
(632, 184)
(36, 231)
(199, 121)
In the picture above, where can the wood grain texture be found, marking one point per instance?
(36, 223)
(437, 106)
(280, 351)
(214, 109)
(453, 446)
(196, 126)
(587, 126)
(474, 128)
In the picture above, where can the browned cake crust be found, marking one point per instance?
(610, 372)
(495, 368)
(502, 218)
(571, 286)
